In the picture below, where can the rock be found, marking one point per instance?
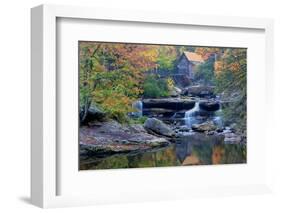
(158, 127)
(219, 130)
(184, 128)
(175, 92)
(178, 134)
(157, 142)
(226, 131)
(209, 105)
(111, 126)
(112, 138)
(96, 113)
(211, 133)
(155, 112)
(137, 128)
(100, 149)
(178, 90)
(230, 137)
(176, 104)
(93, 114)
(200, 91)
(232, 140)
(233, 127)
(204, 127)
(184, 92)
(179, 114)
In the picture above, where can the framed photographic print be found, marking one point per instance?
(149, 106)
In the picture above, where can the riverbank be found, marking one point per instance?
(110, 137)
(194, 116)
(127, 148)
(103, 139)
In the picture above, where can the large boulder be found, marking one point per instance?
(111, 137)
(209, 105)
(204, 127)
(175, 92)
(92, 114)
(156, 126)
(176, 104)
(200, 91)
(232, 138)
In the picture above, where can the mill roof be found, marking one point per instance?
(193, 57)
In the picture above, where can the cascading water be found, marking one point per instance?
(189, 116)
(138, 107)
(217, 118)
(197, 116)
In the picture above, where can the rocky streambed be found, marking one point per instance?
(110, 137)
(182, 124)
(111, 145)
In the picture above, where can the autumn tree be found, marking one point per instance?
(111, 75)
(204, 73)
(166, 58)
(231, 79)
(229, 71)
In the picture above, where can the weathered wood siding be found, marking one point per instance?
(184, 66)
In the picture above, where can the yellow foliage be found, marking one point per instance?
(170, 83)
(218, 67)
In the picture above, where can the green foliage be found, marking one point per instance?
(111, 76)
(155, 88)
(235, 153)
(205, 73)
(231, 83)
(166, 58)
(139, 120)
(203, 152)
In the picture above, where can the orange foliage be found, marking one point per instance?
(218, 153)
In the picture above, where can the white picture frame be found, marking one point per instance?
(44, 154)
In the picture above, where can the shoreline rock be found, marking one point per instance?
(158, 127)
(111, 137)
(209, 105)
(204, 127)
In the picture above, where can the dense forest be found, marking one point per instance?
(117, 77)
(113, 76)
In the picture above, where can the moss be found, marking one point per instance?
(140, 120)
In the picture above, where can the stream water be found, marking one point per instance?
(197, 116)
(190, 149)
(196, 149)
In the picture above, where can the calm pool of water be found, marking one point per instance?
(195, 149)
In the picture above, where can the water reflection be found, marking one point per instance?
(195, 149)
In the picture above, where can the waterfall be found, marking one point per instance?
(189, 115)
(137, 106)
(194, 116)
(218, 121)
(217, 118)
